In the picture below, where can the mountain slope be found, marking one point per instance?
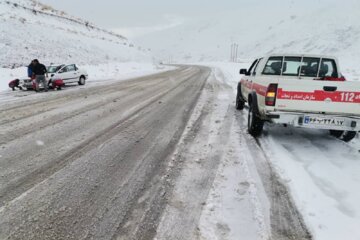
(259, 27)
(29, 29)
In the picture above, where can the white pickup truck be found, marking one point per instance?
(300, 90)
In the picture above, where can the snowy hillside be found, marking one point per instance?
(29, 29)
(259, 27)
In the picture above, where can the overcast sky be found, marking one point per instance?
(138, 17)
(152, 14)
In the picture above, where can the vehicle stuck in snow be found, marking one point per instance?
(57, 76)
(300, 90)
(69, 73)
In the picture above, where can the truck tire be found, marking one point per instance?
(346, 136)
(255, 124)
(82, 80)
(240, 103)
(336, 133)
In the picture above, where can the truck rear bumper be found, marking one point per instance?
(318, 121)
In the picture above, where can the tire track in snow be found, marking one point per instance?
(286, 221)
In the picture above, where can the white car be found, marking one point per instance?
(68, 73)
(300, 90)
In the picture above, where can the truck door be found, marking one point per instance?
(248, 79)
(252, 76)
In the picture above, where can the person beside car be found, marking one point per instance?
(15, 84)
(30, 70)
(39, 71)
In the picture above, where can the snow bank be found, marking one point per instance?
(117, 71)
(237, 204)
(321, 172)
(231, 71)
(6, 75)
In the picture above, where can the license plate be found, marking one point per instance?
(325, 121)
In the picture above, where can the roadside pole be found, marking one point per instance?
(234, 49)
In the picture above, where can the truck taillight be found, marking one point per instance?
(270, 97)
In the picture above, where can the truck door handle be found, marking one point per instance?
(330, 89)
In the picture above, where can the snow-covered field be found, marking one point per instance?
(321, 172)
(30, 30)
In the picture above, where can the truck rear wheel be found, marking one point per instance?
(346, 136)
(336, 133)
(255, 124)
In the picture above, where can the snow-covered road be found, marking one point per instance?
(137, 159)
(86, 163)
(167, 156)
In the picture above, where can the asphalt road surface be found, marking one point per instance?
(92, 163)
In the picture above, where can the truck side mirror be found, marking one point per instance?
(244, 71)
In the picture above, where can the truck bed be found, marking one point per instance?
(316, 96)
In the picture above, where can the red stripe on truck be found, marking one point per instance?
(260, 89)
(319, 96)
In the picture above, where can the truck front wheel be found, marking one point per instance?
(255, 124)
(239, 102)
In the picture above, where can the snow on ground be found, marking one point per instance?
(118, 71)
(7, 74)
(216, 189)
(97, 73)
(328, 27)
(29, 30)
(321, 172)
(237, 204)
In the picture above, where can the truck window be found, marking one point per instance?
(256, 67)
(252, 67)
(328, 68)
(309, 67)
(291, 66)
(273, 66)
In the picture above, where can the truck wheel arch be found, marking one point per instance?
(239, 87)
(239, 101)
(239, 92)
(255, 123)
(252, 99)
